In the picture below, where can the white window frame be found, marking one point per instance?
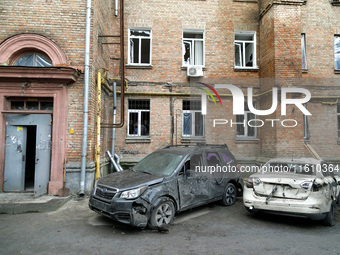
(337, 52)
(303, 51)
(245, 120)
(140, 38)
(241, 44)
(139, 112)
(192, 46)
(306, 133)
(193, 121)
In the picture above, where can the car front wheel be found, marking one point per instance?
(229, 195)
(163, 214)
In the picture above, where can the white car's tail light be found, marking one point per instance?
(307, 185)
(253, 181)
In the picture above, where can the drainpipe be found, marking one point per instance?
(86, 97)
(99, 81)
(114, 117)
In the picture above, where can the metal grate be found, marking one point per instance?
(105, 193)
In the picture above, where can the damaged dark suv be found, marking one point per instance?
(168, 181)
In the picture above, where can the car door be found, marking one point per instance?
(192, 183)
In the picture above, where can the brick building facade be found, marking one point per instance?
(262, 45)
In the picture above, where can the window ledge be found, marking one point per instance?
(185, 68)
(249, 1)
(138, 140)
(139, 66)
(193, 140)
(304, 70)
(247, 139)
(337, 71)
(335, 3)
(242, 69)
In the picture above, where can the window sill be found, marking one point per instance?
(139, 66)
(193, 140)
(138, 139)
(247, 139)
(304, 70)
(243, 69)
(249, 1)
(337, 71)
(335, 3)
(185, 68)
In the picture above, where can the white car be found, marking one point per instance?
(304, 187)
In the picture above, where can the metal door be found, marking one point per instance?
(43, 159)
(15, 158)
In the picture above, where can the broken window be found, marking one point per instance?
(193, 120)
(140, 46)
(193, 48)
(139, 117)
(303, 51)
(337, 51)
(245, 49)
(246, 124)
(33, 59)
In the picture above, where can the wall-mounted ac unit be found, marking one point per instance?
(194, 71)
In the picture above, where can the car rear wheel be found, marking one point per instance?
(229, 195)
(329, 220)
(163, 214)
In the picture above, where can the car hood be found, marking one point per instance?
(129, 179)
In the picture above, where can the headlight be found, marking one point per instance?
(133, 193)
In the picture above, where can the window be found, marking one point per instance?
(306, 125)
(192, 118)
(139, 47)
(33, 59)
(193, 48)
(338, 121)
(303, 51)
(243, 129)
(31, 104)
(337, 51)
(245, 49)
(138, 117)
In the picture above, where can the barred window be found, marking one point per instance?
(138, 117)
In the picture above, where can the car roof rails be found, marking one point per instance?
(197, 145)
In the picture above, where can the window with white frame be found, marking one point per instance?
(337, 52)
(245, 49)
(193, 48)
(306, 125)
(193, 120)
(338, 121)
(246, 124)
(139, 46)
(138, 117)
(303, 51)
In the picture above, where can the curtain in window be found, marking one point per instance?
(337, 52)
(198, 53)
(186, 123)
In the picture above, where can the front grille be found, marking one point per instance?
(105, 193)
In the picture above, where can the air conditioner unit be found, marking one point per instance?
(194, 71)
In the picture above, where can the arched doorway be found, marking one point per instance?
(34, 77)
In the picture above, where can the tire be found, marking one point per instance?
(229, 195)
(330, 219)
(163, 214)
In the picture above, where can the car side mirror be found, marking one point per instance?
(188, 173)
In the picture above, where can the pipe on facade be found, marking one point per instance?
(114, 118)
(99, 83)
(122, 72)
(86, 97)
